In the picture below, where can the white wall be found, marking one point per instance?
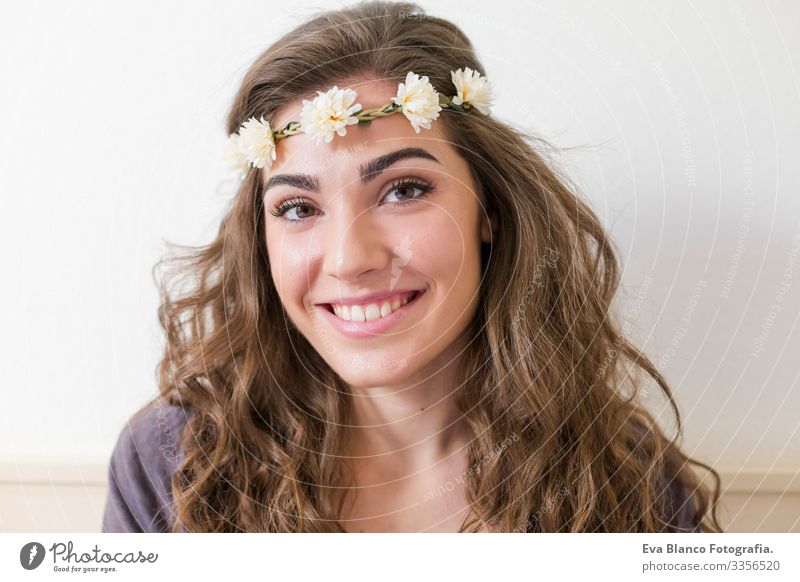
(687, 118)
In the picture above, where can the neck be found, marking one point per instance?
(409, 427)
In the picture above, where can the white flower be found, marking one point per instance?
(234, 157)
(329, 113)
(419, 101)
(472, 89)
(257, 143)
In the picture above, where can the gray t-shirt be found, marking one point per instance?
(145, 456)
(147, 453)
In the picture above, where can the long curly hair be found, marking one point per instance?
(549, 372)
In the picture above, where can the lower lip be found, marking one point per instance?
(365, 329)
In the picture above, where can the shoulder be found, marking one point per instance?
(681, 508)
(679, 498)
(145, 456)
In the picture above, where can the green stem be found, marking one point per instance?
(367, 115)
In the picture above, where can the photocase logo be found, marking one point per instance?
(67, 558)
(31, 555)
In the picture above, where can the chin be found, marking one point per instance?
(365, 371)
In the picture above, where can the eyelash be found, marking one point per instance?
(287, 205)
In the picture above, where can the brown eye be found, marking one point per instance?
(406, 190)
(290, 205)
(303, 208)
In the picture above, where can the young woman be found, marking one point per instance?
(403, 324)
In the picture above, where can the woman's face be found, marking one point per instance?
(375, 222)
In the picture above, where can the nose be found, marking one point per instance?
(354, 245)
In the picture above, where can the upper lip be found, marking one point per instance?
(371, 298)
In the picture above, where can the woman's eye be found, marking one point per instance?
(406, 188)
(296, 209)
(285, 210)
(301, 209)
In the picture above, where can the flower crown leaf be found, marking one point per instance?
(329, 114)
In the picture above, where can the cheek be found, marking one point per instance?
(445, 249)
(289, 269)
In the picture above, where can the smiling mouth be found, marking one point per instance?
(413, 297)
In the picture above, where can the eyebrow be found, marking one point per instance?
(367, 172)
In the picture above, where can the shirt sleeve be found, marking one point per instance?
(140, 471)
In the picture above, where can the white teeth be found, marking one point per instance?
(356, 313)
(371, 311)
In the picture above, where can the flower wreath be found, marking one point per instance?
(331, 112)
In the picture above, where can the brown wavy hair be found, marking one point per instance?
(548, 371)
